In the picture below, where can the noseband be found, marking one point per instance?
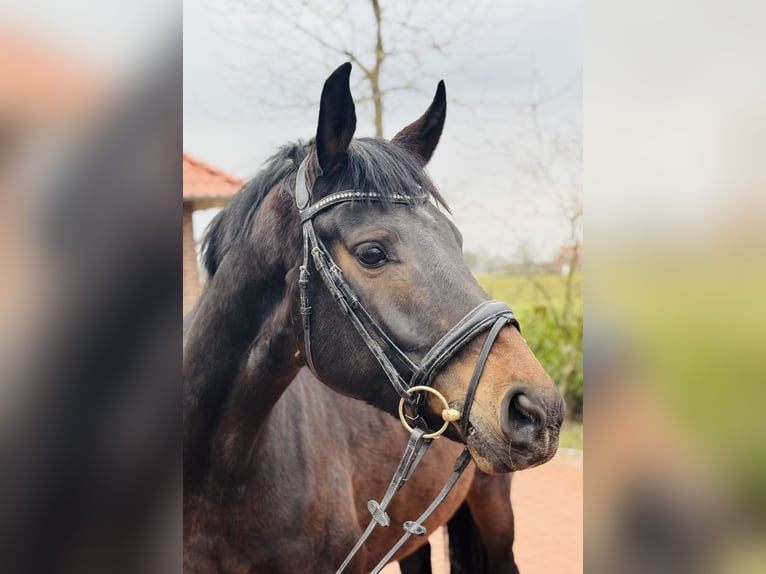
(492, 315)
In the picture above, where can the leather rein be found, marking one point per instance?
(416, 378)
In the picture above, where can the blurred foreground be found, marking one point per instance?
(90, 340)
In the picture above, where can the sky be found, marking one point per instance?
(245, 71)
(252, 83)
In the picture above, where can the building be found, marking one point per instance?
(205, 187)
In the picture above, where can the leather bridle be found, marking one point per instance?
(492, 315)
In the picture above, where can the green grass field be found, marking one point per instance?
(521, 291)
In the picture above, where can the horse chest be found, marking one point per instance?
(342, 467)
(306, 503)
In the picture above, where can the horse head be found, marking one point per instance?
(404, 263)
(393, 247)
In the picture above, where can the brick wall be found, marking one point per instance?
(191, 268)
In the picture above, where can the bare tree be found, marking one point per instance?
(556, 168)
(288, 45)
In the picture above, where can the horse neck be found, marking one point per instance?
(239, 358)
(267, 371)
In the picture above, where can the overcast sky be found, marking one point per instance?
(507, 54)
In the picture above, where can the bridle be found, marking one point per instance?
(492, 315)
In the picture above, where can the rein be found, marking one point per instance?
(492, 315)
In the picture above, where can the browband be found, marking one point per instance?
(349, 195)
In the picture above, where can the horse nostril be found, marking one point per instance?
(522, 417)
(524, 411)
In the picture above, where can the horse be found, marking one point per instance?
(290, 417)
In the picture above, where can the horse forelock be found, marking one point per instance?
(377, 165)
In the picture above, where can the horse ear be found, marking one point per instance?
(422, 135)
(337, 119)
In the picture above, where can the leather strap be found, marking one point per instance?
(415, 527)
(416, 448)
(302, 192)
(346, 196)
(348, 302)
(500, 322)
(305, 308)
(476, 321)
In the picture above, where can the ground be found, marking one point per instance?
(547, 503)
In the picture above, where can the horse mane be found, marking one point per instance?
(372, 165)
(232, 224)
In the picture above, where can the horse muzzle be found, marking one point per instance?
(530, 423)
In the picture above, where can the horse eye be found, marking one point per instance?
(371, 256)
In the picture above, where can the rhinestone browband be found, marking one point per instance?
(350, 195)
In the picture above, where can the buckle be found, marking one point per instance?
(378, 514)
(414, 528)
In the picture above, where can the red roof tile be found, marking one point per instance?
(203, 181)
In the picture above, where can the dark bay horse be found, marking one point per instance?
(280, 460)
